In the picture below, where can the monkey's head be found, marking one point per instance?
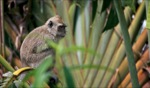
(56, 27)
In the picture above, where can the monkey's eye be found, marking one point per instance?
(50, 24)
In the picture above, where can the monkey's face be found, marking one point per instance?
(56, 27)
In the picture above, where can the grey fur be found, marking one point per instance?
(34, 47)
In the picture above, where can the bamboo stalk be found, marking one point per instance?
(118, 58)
(144, 58)
(97, 27)
(80, 36)
(2, 36)
(123, 67)
(143, 77)
(89, 57)
(10, 31)
(70, 40)
(75, 61)
(147, 3)
(6, 64)
(79, 39)
(101, 49)
(130, 56)
(110, 50)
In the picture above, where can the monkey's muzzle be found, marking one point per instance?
(61, 31)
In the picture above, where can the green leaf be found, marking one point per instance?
(6, 64)
(41, 74)
(69, 78)
(130, 3)
(112, 20)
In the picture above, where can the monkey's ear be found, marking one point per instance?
(50, 24)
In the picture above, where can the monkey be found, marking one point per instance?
(35, 49)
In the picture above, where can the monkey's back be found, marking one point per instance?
(34, 47)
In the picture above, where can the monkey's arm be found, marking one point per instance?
(41, 48)
(38, 54)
